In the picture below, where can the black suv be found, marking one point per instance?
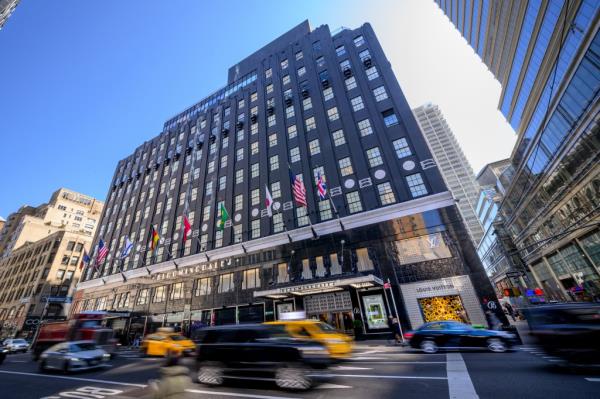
(257, 351)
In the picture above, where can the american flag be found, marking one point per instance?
(102, 252)
(298, 190)
(321, 186)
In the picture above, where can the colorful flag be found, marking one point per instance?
(85, 260)
(321, 186)
(224, 217)
(298, 190)
(126, 248)
(154, 238)
(268, 201)
(187, 227)
(102, 252)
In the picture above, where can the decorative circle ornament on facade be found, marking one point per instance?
(254, 212)
(237, 217)
(204, 227)
(408, 165)
(379, 174)
(276, 205)
(349, 183)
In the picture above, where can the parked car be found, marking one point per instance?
(165, 342)
(256, 351)
(15, 345)
(73, 356)
(570, 331)
(433, 336)
(338, 344)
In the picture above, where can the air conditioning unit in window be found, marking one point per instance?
(253, 118)
(325, 83)
(305, 93)
(177, 156)
(225, 132)
(212, 138)
(347, 72)
(188, 151)
(271, 111)
(288, 101)
(240, 125)
(367, 62)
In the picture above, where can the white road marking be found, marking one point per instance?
(460, 385)
(368, 358)
(400, 377)
(18, 361)
(74, 378)
(236, 394)
(593, 379)
(350, 368)
(331, 386)
(398, 362)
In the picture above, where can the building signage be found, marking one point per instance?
(205, 267)
(439, 287)
(308, 287)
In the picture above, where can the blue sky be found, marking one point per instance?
(85, 82)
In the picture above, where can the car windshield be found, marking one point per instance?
(83, 346)
(326, 327)
(177, 337)
(19, 341)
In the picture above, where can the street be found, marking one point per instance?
(374, 371)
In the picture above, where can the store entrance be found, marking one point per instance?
(341, 321)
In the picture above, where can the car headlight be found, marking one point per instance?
(44, 355)
(75, 359)
(334, 341)
(106, 356)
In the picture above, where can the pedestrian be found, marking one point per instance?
(174, 380)
(396, 329)
(390, 323)
(510, 311)
(493, 320)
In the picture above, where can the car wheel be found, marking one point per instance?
(292, 377)
(210, 373)
(496, 345)
(42, 366)
(429, 346)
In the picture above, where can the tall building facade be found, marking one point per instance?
(454, 166)
(42, 250)
(308, 107)
(545, 55)
(6, 9)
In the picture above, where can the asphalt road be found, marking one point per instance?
(373, 372)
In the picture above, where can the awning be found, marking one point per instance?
(320, 286)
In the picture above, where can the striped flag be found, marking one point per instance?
(102, 252)
(85, 260)
(321, 186)
(126, 248)
(269, 201)
(187, 227)
(154, 238)
(298, 190)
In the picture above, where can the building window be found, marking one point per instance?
(320, 62)
(211, 167)
(282, 273)
(273, 140)
(239, 176)
(238, 203)
(255, 197)
(307, 104)
(325, 210)
(357, 103)
(328, 94)
(159, 294)
(372, 73)
(222, 182)
(338, 137)
(292, 131)
(350, 83)
(289, 112)
(340, 50)
(363, 260)
(354, 204)
(345, 166)
(237, 233)
(274, 163)
(206, 213)
(380, 93)
(374, 157)
(203, 242)
(240, 135)
(239, 154)
(225, 283)
(176, 291)
(255, 228)
(389, 118)
(416, 185)
(203, 286)
(345, 65)
(316, 46)
(299, 55)
(223, 161)
(251, 279)
(253, 97)
(365, 128)
(225, 142)
(276, 189)
(359, 41)
(364, 55)
(294, 154)
(301, 71)
(268, 73)
(401, 147)
(254, 171)
(302, 216)
(254, 148)
(310, 124)
(142, 298)
(277, 223)
(271, 120)
(313, 147)
(284, 64)
(241, 103)
(386, 195)
(332, 114)
(60, 273)
(219, 239)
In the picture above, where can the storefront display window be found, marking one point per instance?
(375, 310)
(447, 307)
(423, 248)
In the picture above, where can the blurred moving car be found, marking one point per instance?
(570, 331)
(15, 345)
(3, 353)
(257, 351)
(73, 356)
(433, 336)
(338, 344)
(165, 342)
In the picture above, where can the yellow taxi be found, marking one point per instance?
(338, 344)
(165, 342)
